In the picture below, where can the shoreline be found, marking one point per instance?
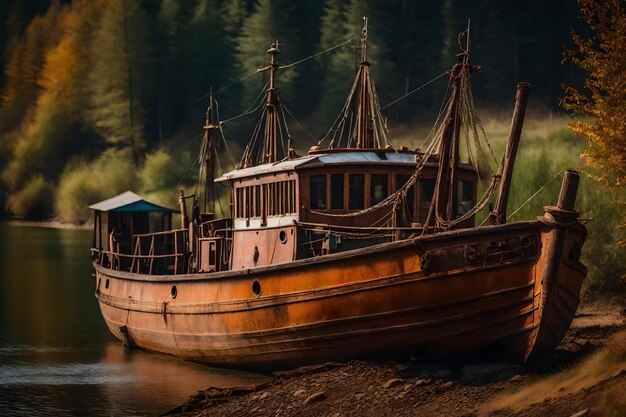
(48, 224)
(580, 378)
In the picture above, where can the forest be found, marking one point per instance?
(100, 96)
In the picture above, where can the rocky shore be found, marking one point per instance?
(586, 376)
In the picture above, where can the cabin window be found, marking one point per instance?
(378, 188)
(317, 189)
(356, 194)
(248, 202)
(286, 197)
(274, 198)
(410, 195)
(465, 197)
(281, 198)
(264, 203)
(239, 203)
(262, 200)
(292, 193)
(257, 201)
(336, 192)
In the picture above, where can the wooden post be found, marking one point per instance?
(569, 189)
(184, 220)
(498, 215)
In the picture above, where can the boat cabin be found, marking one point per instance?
(122, 227)
(328, 202)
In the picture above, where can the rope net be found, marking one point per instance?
(344, 130)
(477, 151)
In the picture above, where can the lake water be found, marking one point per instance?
(56, 355)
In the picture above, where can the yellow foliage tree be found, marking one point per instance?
(600, 108)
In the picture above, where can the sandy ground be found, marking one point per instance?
(586, 376)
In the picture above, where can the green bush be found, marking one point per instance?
(34, 201)
(163, 175)
(82, 184)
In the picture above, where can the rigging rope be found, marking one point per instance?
(332, 48)
(306, 132)
(250, 110)
(415, 90)
(219, 125)
(536, 193)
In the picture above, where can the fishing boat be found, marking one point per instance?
(357, 248)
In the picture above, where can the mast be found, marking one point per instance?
(209, 158)
(364, 129)
(452, 199)
(442, 200)
(360, 123)
(444, 203)
(270, 147)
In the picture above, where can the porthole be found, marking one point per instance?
(174, 291)
(283, 237)
(255, 255)
(106, 284)
(256, 288)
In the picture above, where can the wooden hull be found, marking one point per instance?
(449, 293)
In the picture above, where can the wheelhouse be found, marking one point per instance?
(296, 208)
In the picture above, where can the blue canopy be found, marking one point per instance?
(128, 202)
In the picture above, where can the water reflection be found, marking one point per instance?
(56, 355)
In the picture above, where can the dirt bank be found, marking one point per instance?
(51, 224)
(586, 376)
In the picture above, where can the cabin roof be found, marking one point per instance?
(286, 165)
(334, 158)
(128, 202)
(365, 157)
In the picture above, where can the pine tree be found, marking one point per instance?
(271, 21)
(120, 76)
(234, 13)
(24, 66)
(341, 67)
(18, 113)
(171, 97)
(207, 57)
(415, 41)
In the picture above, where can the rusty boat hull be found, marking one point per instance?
(511, 288)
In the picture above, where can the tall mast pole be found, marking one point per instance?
(209, 159)
(271, 122)
(439, 205)
(445, 196)
(455, 157)
(364, 128)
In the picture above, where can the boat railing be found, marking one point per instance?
(321, 238)
(214, 245)
(158, 253)
(217, 227)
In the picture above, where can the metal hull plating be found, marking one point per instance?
(449, 293)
